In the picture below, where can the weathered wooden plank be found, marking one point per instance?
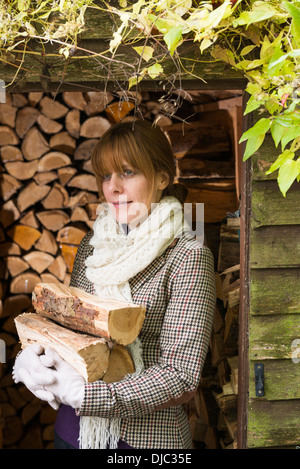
(275, 246)
(269, 207)
(90, 67)
(273, 423)
(282, 380)
(275, 291)
(273, 337)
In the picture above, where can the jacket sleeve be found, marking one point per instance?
(184, 343)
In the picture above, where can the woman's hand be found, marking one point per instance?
(29, 370)
(68, 387)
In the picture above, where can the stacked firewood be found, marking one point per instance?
(213, 412)
(50, 197)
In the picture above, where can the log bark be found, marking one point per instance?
(88, 355)
(117, 321)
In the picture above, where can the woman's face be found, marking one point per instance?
(128, 193)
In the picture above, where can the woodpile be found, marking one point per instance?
(50, 198)
(213, 412)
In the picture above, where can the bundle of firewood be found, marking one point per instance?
(90, 333)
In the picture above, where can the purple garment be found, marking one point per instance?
(67, 427)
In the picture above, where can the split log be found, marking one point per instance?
(48, 126)
(30, 195)
(68, 253)
(52, 109)
(16, 265)
(85, 182)
(8, 136)
(120, 364)
(65, 174)
(73, 123)
(53, 220)
(97, 101)
(26, 118)
(88, 355)
(24, 283)
(29, 219)
(34, 97)
(47, 242)
(70, 235)
(8, 185)
(38, 261)
(9, 214)
(63, 142)
(53, 160)
(74, 99)
(94, 127)
(34, 144)
(22, 170)
(8, 114)
(24, 236)
(45, 177)
(58, 197)
(58, 268)
(10, 153)
(85, 149)
(117, 321)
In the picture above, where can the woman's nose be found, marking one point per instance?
(115, 183)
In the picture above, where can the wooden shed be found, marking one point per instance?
(249, 394)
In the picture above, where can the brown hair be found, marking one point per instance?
(143, 147)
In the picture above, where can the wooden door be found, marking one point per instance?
(270, 313)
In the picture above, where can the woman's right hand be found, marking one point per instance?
(30, 370)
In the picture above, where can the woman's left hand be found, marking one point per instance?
(68, 387)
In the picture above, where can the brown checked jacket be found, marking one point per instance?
(178, 290)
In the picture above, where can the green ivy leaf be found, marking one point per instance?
(173, 38)
(277, 131)
(290, 134)
(281, 159)
(255, 136)
(260, 128)
(146, 52)
(253, 145)
(155, 70)
(252, 104)
(294, 11)
(287, 174)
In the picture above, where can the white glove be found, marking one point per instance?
(29, 369)
(69, 385)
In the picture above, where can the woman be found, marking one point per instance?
(140, 250)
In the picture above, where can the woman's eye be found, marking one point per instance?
(128, 172)
(106, 177)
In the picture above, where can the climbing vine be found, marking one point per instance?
(261, 39)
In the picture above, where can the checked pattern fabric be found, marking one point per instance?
(178, 290)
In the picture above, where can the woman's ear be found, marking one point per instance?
(163, 180)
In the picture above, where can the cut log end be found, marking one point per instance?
(88, 355)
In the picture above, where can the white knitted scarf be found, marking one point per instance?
(116, 258)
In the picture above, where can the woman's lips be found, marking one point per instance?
(118, 204)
